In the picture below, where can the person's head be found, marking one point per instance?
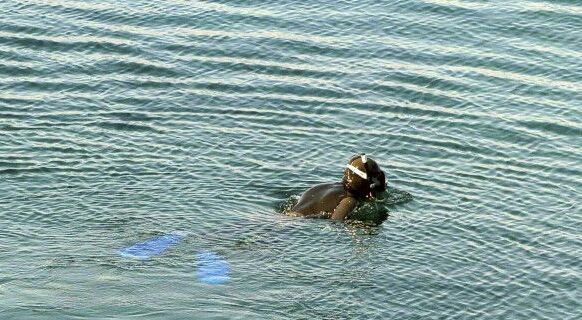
(363, 176)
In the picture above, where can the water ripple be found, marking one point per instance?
(123, 122)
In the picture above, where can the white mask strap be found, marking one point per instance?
(364, 158)
(357, 171)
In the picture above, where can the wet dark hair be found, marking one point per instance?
(359, 186)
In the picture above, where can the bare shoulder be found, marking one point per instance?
(319, 198)
(325, 187)
(322, 190)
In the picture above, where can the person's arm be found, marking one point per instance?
(344, 208)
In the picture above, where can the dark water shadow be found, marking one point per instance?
(370, 212)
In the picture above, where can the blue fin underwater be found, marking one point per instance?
(210, 267)
(152, 247)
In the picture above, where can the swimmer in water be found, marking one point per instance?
(362, 179)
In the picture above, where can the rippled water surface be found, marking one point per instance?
(121, 121)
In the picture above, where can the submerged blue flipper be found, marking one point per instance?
(211, 268)
(152, 247)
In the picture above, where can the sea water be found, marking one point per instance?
(124, 121)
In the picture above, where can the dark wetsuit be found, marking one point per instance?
(327, 200)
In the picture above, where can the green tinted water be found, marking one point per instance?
(122, 121)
